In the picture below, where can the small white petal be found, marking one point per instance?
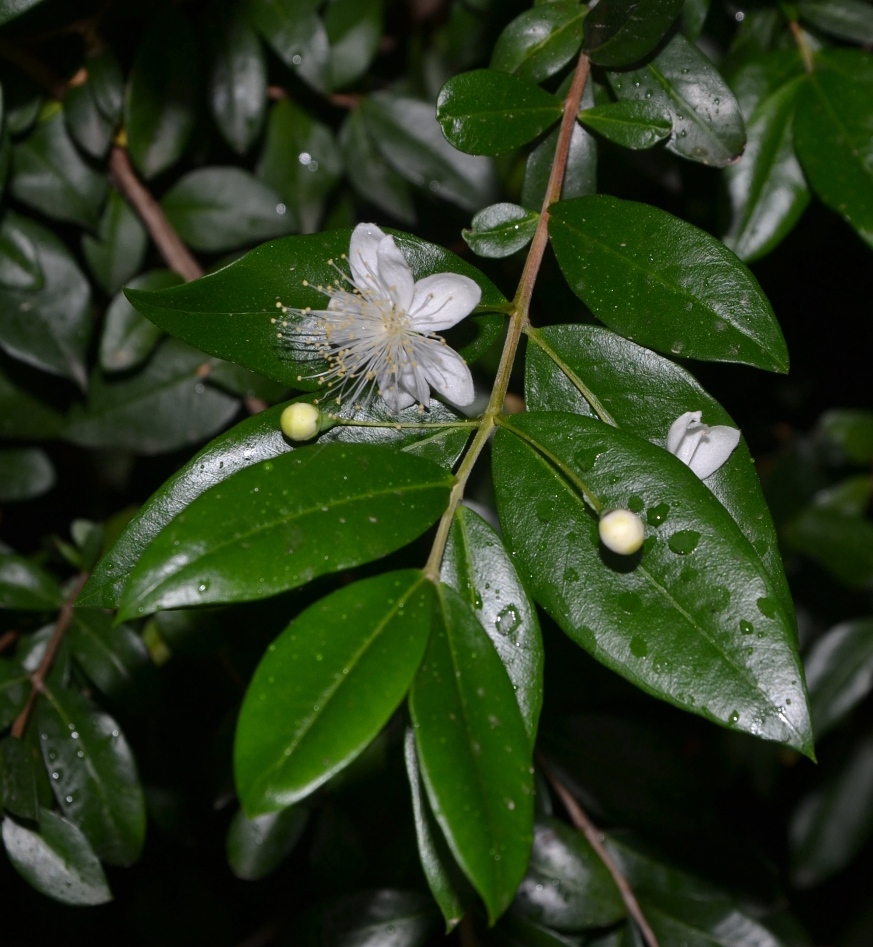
(714, 449)
(364, 254)
(393, 395)
(442, 300)
(449, 375)
(394, 273)
(679, 428)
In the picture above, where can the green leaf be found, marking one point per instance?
(93, 774)
(380, 918)
(9, 9)
(129, 338)
(851, 20)
(57, 860)
(707, 122)
(14, 688)
(46, 323)
(218, 209)
(256, 847)
(237, 82)
(694, 618)
(587, 369)
(23, 780)
(839, 672)
(162, 92)
(342, 667)
(629, 123)
(229, 313)
(693, 18)
(354, 31)
(87, 125)
(540, 42)
(474, 753)
(49, 174)
(851, 431)
(567, 886)
(118, 251)
(281, 523)
(580, 177)
(485, 112)
(21, 415)
(842, 544)
(517, 931)
(620, 32)
(832, 824)
(631, 265)
(447, 885)
(501, 230)
(111, 657)
(26, 587)
(763, 76)
(25, 473)
(767, 189)
(106, 82)
(479, 569)
(256, 439)
(297, 36)
(412, 142)
(301, 161)
(833, 131)
(164, 406)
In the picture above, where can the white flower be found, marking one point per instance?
(378, 328)
(702, 447)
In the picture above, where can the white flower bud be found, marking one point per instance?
(622, 531)
(301, 421)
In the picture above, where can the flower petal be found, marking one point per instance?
(396, 397)
(364, 255)
(449, 375)
(679, 428)
(442, 300)
(394, 274)
(714, 449)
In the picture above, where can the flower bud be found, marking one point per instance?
(301, 421)
(622, 531)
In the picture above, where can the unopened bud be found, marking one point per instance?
(301, 421)
(622, 531)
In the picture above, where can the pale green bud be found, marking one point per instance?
(301, 421)
(622, 531)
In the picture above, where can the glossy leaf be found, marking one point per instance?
(57, 860)
(380, 918)
(117, 252)
(49, 174)
(485, 112)
(129, 338)
(693, 618)
(297, 36)
(587, 369)
(256, 847)
(369, 173)
(702, 923)
(301, 162)
(229, 313)
(478, 567)
(90, 129)
(25, 473)
(412, 142)
(162, 93)
(45, 300)
(256, 439)
(839, 672)
(832, 824)
(25, 586)
(620, 32)
(500, 230)
(23, 780)
(628, 263)
(111, 657)
(850, 20)
(14, 688)
(474, 753)
(540, 42)
(580, 177)
(842, 544)
(447, 885)
(9, 9)
(23, 416)
(517, 931)
(224, 208)
(93, 774)
(834, 135)
(281, 523)
(354, 30)
(629, 123)
(164, 406)
(763, 76)
(707, 122)
(237, 83)
(567, 886)
(767, 189)
(327, 686)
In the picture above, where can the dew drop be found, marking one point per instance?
(639, 646)
(585, 459)
(508, 620)
(570, 575)
(767, 607)
(655, 515)
(746, 627)
(684, 541)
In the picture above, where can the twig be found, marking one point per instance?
(37, 679)
(466, 931)
(176, 255)
(33, 68)
(7, 639)
(579, 819)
